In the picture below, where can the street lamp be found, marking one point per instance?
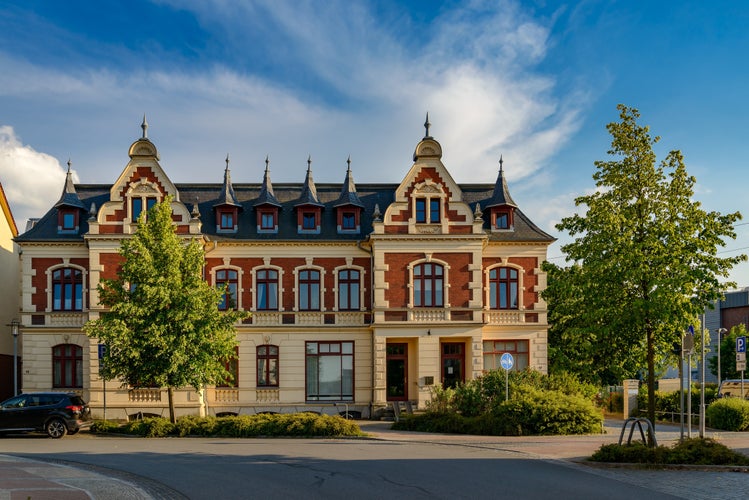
(720, 332)
(14, 331)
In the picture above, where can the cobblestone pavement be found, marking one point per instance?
(22, 478)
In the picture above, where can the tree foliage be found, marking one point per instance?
(645, 255)
(162, 327)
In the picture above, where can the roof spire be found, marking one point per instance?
(69, 195)
(309, 163)
(309, 191)
(348, 191)
(426, 126)
(501, 195)
(144, 126)
(266, 189)
(227, 196)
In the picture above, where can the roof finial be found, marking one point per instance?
(69, 163)
(426, 126)
(348, 163)
(227, 161)
(309, 163)
(144, 126)
(267, 162)
(501, 161)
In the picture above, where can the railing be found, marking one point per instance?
(267, 395)
(504, 317)
(429, 315)
(307, 318)
(224, 395)
(144, 395)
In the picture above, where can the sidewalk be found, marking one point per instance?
(22, 478)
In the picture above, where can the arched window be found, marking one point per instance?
(348, 290)
(309, 290)
(503, 288)
(67, 289)
(266, 289)
(428, 285)
(67, 366)
(232, 366)
(230, 279)
(267, 366)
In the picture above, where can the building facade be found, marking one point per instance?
(9, 300)
(361, 295)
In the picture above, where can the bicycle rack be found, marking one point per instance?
(638, 421)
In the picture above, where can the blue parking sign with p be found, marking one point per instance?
(740, 344)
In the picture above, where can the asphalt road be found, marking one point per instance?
(206, 468)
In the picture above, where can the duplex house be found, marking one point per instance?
(361, 294)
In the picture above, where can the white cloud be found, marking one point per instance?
(32, 181)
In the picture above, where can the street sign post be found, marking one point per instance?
(741, 359)
(507, 362)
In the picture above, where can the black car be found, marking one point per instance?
(56, 413)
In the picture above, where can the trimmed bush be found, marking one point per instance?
(266, 425)
(728, 414)
(695, 451)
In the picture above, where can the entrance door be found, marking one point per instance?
(396, 367)
(453, 362)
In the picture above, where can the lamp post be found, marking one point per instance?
(720, 332)
(14, 331)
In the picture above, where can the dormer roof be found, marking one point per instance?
(69, 197)
(501, 195)
(267, 197)
(227, 196)
(309, 192)
(348, 190)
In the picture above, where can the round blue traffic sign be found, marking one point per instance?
(507, 361)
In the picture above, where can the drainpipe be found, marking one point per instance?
(371, 338)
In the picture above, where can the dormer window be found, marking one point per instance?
(428, 210)
(226, 220)
(67, 221)
(348, 219)
(308, 220)
(267, 220)
(502, 219)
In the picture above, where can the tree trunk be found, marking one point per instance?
(170, 391)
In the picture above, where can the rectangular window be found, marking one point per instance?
(330, 371)
(348, 290)
(503, 288)
(150, 203)
(267, 290)
(267, 221)
(267, 366)
(348, 220)
(67, 366)
(502, 221)
(227, 220)
(137, 205)
(309, 290)
(68, 221)
(421, 210)
(494, 349)
(434, 210)
(309, 221)
(67, 289)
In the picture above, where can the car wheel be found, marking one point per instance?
(55, 428)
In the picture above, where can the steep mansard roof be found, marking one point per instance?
(287, 196)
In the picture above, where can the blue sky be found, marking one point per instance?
(533, 81)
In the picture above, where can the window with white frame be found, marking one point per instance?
(266, 290)
(229, 279)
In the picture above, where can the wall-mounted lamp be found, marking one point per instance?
(429, 332)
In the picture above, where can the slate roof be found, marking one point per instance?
(288, 196)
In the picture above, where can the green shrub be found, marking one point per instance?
(441, 400)
(150, 427)
(105, 427)
(695, 451)
(729, 414)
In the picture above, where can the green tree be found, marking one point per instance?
(728, 354)
(646, 251)
(163, 327)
